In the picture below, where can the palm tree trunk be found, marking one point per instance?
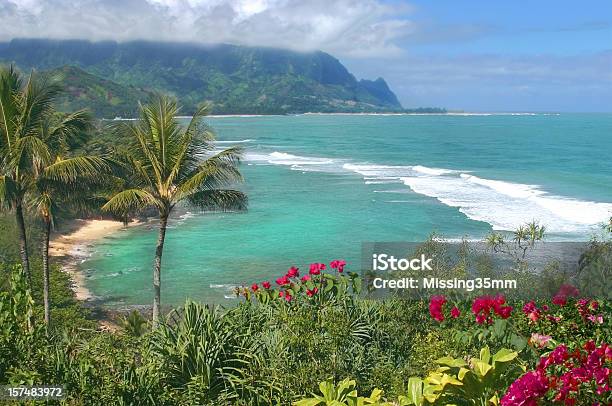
(23, 243)
(45, 263)
(163, 224)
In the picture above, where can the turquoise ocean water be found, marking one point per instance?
(319, 185)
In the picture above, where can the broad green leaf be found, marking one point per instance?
(415, 391)
(481, 368)
(485, 355)
(451, 362)
(504, 355)
(462, 372)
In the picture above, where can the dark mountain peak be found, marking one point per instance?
(380, 89)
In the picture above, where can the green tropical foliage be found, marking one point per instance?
(342, 394)
(481, 381)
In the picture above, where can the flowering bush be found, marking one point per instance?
(485, 307)
(316, 285)
(579, 377)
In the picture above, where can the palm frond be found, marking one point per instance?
(30, 152)
(222, 200)
(10, 84)
(72, 130)
(130, 200)
(37, 102)
(77, 168)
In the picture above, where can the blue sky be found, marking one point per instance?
(509, 55)
(503, 56)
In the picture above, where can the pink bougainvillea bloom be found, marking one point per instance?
(305, 278)
(281, 294)
(288, 296)
(527, 389)
(531, 311)
(595, 319)
(266, 285)
(293, 272)
(435, 307)
(484, 307)
(283, 280)
(559, 300)
(338, 264)
(254, 287)
(505, 312)
(529, 307)
(455, 312)
(533, 317)
(316, 268)
(311, 292)
(539, 340)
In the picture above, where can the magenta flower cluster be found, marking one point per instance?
(563, 377)
(287, 282)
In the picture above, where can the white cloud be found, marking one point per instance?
(363, 28)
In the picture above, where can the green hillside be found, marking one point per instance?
(237, 79)
(104, 97)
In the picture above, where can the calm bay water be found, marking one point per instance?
(319, 185)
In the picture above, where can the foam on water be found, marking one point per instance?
(507, 205)
(504, 205)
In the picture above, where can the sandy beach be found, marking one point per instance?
(70, 245)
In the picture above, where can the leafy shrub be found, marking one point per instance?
(480, 381)
(342, 394)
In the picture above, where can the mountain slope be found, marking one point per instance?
(236, 79)
(104, 97)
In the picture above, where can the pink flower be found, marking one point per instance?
(283, 280)
(435, 307)
(539, 340)
(311, 292)
(254, 287)
(305, 278)
(288, 296)
(529, 307)
(455, 312)
(526, 390)
(293, 272)
(595, 319)
(559, 300)
(338, 264)
(533, 317)
(484, 307)
(505, 312)
(266, 285)
(316, 268)
(532, 312)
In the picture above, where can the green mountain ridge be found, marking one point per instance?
(111, 77)
(104, 97)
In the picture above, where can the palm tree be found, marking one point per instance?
(172, 164)
(61, 181)
(23, 108)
